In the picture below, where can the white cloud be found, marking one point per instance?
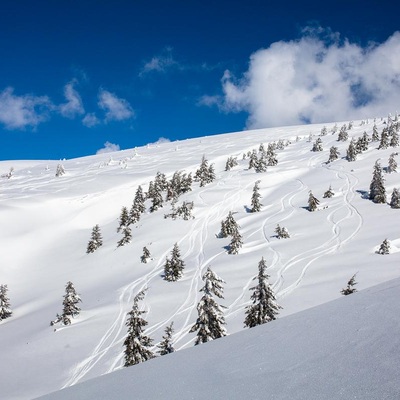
(161, 140)
(74, 105)
(90, 120)
(108, 148)
(160, 63)
(116, 109)
(19, 112)
(314, 80)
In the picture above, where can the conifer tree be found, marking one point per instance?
(312, 202)
(271, 155)
(377, 191)
(123, 219)
(384, 247)
(145, 256)
(127, 236)
(230, 163)
(333, 154)
(281, 232)
(137, 344)
(156, 198)
(264, 308)
(138, 206)
(70, 306)
(384, 143)
(236, 243)
(5, 306)
(394, 141)
(166, 345)
(375, 134)
(392, 167)
(95, 241)
(395, 199)
(324, 131)
(351, 151)
(317, 146)
(255, 198)
(329, 193)
(205, 174)
(261, 164)
(161, 181)
(210, 321)
(228, 226)
(365, 139)
(60, 170)
(173, 268)
(253, 159)
(350, 286)
(343, 135)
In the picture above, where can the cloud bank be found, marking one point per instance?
(313, 80)
(116, 109)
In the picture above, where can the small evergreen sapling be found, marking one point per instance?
(395, 199)
(5, 306)
(350, 286)
(313, 202)
(60, 171)
(384, 143)
(281, 232)
(375, 134)
(329, 193)
(317, 146)
(264, 308)
(70, 306)
(255, 198)
(210, 321)
(384, 247)
(236, 243)
(173, 268)
(392, 167)
(95, 241)
(166, 345)
(333, 154)
(230, 163)
(351, 151)
(137, 344)
(146, 256)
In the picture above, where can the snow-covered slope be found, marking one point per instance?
(46, 223)
(345, 349)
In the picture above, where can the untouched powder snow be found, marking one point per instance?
(46, 223)
(345, 349)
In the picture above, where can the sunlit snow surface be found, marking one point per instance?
(47, 221)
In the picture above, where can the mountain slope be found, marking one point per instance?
(47, 221)
(344, 349)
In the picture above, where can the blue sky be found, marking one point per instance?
(84, 76)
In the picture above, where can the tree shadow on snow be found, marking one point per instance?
(364, 194)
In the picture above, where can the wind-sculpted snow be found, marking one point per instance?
(46, 223)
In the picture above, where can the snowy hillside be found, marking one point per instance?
(345, 349)
(47, 222)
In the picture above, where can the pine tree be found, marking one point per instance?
(377, 191)
(384, 248)
(312, 202)
(350, 286)
(329, 193)
(145, 256)
(261, 164)
(205, 174)
(228, 226)
(271, 155)
(281, 232)
(157, 199)
(255, 198)
(210, 322)
(365, 139)
(392, 167)
(351, 151)
(137, 344)
(138, 206)
(317, 146)
(375, 134)
(324, 131)
(123, 219)
(343, 135)
(95, 241)
(264, 308)
(236, 243)
(161, 181)
(230, 163)
(394, 141)
(5, 306)
(127, 236)
(253, 159)
(70, 306)
(173, 268)
(166, 346)
(60, 171)
(333, 154)
(384, 143)
(395, 199)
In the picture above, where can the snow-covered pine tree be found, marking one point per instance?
(384, 143)
(384, 247)
(5, 306)
(365, 139)
(173, 268)
(351, 154)
(261, 164)
(350, 286)
(329, 193)
(264, 308)
(127, 236)
(333, 154)
(137, 344)
(343, 135)
(156, 199)
(70, 306)
(394, 141)
(324, 131)
(210, 321)
(375, 134)
(317, 146)
(236, 243)
(166, 345)
(255, 198)
(228, 226)
(204, 174)
(312, 202)
(123, 219)
(395, 199)
(271, 155)
(138, 206)
(60, 170)
(146, 255)
(377, 191)
(230, 163)
(253, 159)
(185, 210)
(392, 164)
(95, 240)
(281, 232)
(160, 181)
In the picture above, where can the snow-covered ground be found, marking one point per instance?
(47, 221)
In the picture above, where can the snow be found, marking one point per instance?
(47, 222)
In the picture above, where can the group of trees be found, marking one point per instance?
(229, 227)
